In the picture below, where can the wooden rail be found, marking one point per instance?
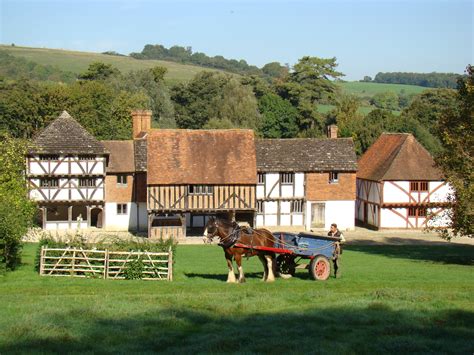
(105, 264)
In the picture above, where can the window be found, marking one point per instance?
(121, 208)
(287, 178)
(261, 178)
(122, 179)
(51, 182)
(333, 177)
(87, 182)
(49, 157)
(421, 211)
(419, 186)
(296, 206)
(259, 206)
(200, 189)
(86, 157)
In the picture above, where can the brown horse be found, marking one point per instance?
(229, 234)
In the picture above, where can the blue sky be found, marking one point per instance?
(365, 36)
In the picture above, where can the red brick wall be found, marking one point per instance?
(318, 187)
(118, 193)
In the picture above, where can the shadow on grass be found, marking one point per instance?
(375, 329)
(222, 277)
(458, 254)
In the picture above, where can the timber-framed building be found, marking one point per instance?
(399, 186)
(168, 182)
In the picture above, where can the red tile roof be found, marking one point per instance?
(397, 156)
(177, 156)
(121, 158)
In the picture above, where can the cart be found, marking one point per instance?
(302, 250)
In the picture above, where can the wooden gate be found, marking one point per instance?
(106, 264)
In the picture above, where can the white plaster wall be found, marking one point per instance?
(285, 220)
(65, 225)
(62, 168)
(340, 212)
(299, 184)
(392, 193)
(270, 207)
(440, 195)
(270, 180)
(124, 222)
(35, 168)
(259, 220)
(392, 220)
(260, 191)
(440, 220)
(363, 185)
(271, 220)
(286, 190)
(298, 219)
(285, 207)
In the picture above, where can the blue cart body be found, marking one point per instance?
(306, 244)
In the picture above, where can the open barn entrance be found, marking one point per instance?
(96, 217)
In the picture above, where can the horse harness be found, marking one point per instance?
(234, 236)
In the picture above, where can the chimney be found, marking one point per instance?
(141, 121)
(332, 131)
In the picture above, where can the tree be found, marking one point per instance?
(99, 71)
(192, 101)
(158, 73)
(279, 117)
(275, 70)
(237, 104)
(16, 210)
(387, 100)
(455, 130)
(428, 107)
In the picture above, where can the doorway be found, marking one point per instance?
(318, 215)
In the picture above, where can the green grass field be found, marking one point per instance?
(78, 62)
(395, 299)
(370, 89)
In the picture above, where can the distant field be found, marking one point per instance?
(77, 62)
(370, 89)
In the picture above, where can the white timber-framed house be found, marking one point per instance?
(399, 186)
(306, 182)
(65, 170)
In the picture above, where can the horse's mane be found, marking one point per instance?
(225, 222)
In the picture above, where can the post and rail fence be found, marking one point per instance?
(105, 264)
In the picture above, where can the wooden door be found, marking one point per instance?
(318, 215)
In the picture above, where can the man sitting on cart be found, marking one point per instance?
(334, 232)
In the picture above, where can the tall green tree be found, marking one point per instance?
(16, 210)
(456, 132)
(99, 71)
(279, 117)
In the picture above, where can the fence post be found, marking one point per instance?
(42, 260)
(106, 263)
(170, 264)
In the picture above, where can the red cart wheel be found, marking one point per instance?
(320, 268)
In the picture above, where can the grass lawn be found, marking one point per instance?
(363, 110)
(395, 299)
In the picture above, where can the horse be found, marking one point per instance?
(229, 234)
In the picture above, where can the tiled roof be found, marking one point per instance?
(397, 156)
(140, 154)
(306, 155)
(201, 157)
(121, 158)
(66, 136)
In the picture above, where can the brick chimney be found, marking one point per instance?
(141, 121)
(332, 131)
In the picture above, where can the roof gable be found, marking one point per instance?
(306, 155)
(201, 157)
(66, 136)
(397, 156)
(121, 158)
